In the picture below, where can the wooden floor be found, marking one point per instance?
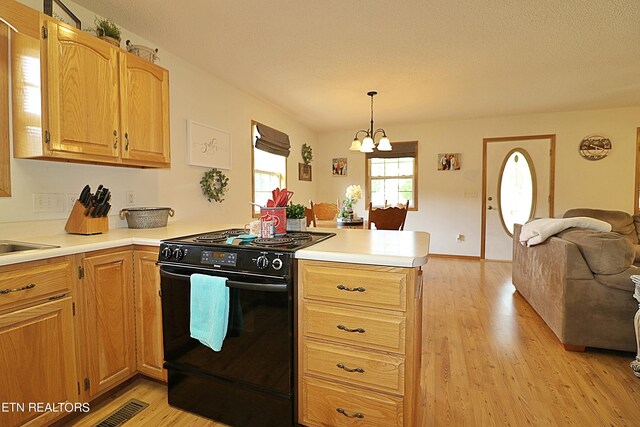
(488, 360)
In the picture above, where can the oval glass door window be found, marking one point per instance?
(517, 189)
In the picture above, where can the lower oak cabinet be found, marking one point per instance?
(37, 343)
(109, 331)
(149, 350)
(359, 344)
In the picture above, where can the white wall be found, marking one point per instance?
(450, 202)
(194, 95)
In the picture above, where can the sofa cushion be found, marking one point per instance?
(605, 252)
(620, 281)
(621, 222)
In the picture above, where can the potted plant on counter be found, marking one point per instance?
(296, 221)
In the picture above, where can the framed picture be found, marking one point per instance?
(58, 10)
(208, 146)
(449, 161)
(339, 166)
(304, 172)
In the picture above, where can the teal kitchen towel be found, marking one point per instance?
(209, 310)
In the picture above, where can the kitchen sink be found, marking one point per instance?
(8, 247)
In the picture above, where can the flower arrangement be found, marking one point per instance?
(353, 194)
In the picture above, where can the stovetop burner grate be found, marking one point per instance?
(273, 241)
(298, 236)
(219, 237)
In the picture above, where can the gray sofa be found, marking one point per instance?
(578, 281)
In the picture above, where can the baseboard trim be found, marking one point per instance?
(467, 257)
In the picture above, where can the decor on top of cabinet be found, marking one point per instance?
(353, 194)
(106, 30)
(214, 185)
(58, 10)
(296, 220)
(208, 146)
(142, 51)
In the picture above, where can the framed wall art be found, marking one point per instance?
(449, 161)
(339, 166)
(304, 172)
(58, 10)
(208, 146)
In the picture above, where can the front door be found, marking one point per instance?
(518, 185)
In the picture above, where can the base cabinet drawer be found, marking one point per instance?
(383, 372)
(368, 328)
(329, 404)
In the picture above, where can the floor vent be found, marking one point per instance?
(123, 414)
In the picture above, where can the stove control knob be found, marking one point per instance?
(262, 262)
(166, 253)
(178, 253)
(276, 264)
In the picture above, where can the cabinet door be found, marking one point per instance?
(82, 77)
(144, 97)
(109, 319)
(149, 354)
(37, 355)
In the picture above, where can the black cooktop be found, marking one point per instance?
(236, 237)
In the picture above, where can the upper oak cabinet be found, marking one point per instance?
(77, 98)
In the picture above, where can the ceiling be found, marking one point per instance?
(429, 60)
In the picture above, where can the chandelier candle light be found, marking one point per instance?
(368, 144)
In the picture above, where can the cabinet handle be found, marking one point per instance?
(115, 139)
(344, 328)
(344, 288)
(356, 415)
(359, 370)
(24, 288)
(53, 298)
(126, 137)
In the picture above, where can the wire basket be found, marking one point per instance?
(142, 51)
(146, 217)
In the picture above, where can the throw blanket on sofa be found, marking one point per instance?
(539, 230)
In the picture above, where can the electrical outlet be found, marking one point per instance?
(71, 200)
(460, 238)
(49, 202)
(131, 198)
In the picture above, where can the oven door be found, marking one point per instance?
(257, 351)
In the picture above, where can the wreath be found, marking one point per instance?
(214, 185)
(307, 154)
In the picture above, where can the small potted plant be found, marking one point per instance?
(296, 221)
(107, 30)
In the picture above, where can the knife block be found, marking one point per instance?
(79, 223)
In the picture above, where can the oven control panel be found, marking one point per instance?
(218, 258)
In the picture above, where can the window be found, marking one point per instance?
(269, 156)
(392, 176)
(517, 186)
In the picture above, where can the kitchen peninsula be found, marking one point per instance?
(369, 283)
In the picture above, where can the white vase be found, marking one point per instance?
(296, 224)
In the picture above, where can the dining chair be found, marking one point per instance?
(389, 218)
(310, 215)
(324, 211)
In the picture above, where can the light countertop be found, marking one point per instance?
(373, 247)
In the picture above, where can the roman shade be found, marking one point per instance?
(272, 141)
(400, 149)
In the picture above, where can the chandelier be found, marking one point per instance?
(368, 144)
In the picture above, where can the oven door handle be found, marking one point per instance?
(264, 287)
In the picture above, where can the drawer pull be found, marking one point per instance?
(344, 288)
(341, 366)
(6, 291)
(356, 415)
(344, 328)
